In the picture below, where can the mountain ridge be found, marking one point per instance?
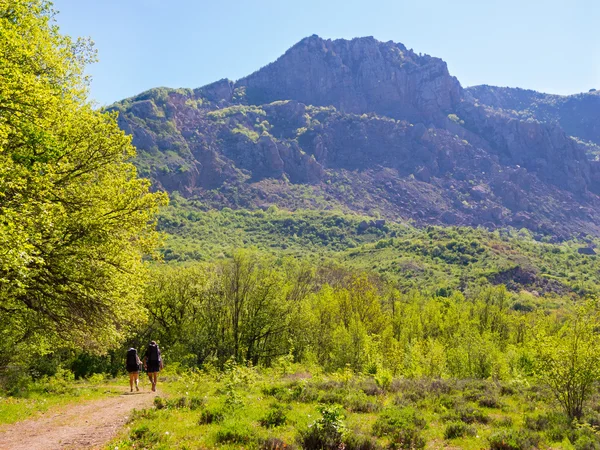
(371, 127)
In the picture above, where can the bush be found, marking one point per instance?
(467, 414)
(325, 433)
(14, 381)
(489, 401)
(513, 440)
(60, 383)
(585, 437)
(159, 403)
(276, 417)
(209, 416)
(393, 419)
(234, 432)
(370, 388)
(455, 430)
(144, 436)
(361, 403)
(331, 397)
(275, 444)
(360, 442)
(192, 403)
(555, 425)
(195, 403)
(504, 422)
(407, 439)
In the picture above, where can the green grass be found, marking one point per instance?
(436, 403)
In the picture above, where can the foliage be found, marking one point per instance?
(568, 360)
(513, 440)
(75, 220)
(455, 430)
(274, 418)
(327, 432)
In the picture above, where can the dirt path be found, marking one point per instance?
(88, 425)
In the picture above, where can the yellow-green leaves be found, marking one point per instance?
(75, 221)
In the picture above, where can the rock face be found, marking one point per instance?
(374, 127)
(358, 76)
(578, 115)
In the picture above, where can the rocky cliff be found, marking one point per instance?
(373, 127)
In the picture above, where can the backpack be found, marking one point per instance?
(132, 357)
(153, 354)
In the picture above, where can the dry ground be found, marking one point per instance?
(87, 425)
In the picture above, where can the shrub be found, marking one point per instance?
(234, 432)
(555, 425)
(177, 403)
(326, 432)
(585, 437)
(455, 430)
(195, 403)
(360, 442)
(159, 403)
(467, 414)
(60, 383)
(209, 416)
(383, 378)
(504, 422)
(489, 401)
(403, 426)
(513, 440)
(361, 403)
(369, 387)
(276, 417)
(139, 414)
(144, 436)
(273, 443)
(279, 392)
(331, 397)
(407, 439)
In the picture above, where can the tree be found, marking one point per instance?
(75, 220)
(568, 361)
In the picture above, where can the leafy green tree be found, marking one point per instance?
(75, 220)
(568, 361)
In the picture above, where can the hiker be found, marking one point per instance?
(133, 364)
(153, 363)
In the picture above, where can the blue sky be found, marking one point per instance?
(547, 45)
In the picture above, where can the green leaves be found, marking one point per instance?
(568, 360)
(75, 220)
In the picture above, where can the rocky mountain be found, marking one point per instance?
(578, 115)
(374, 127)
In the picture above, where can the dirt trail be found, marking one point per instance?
(87, 425)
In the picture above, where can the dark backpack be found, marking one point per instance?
(132, 357)
(153, 354)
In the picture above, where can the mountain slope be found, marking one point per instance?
(578, 115)
(364, 126)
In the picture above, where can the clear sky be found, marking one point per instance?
(547, 45)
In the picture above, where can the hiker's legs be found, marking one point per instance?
(136, 377)
(153, 376)
(131, 375)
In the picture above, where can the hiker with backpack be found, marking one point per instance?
(153, 363)
(133, 365)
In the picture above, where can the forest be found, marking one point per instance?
(314, 329)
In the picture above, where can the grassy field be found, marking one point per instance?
(292, 407)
